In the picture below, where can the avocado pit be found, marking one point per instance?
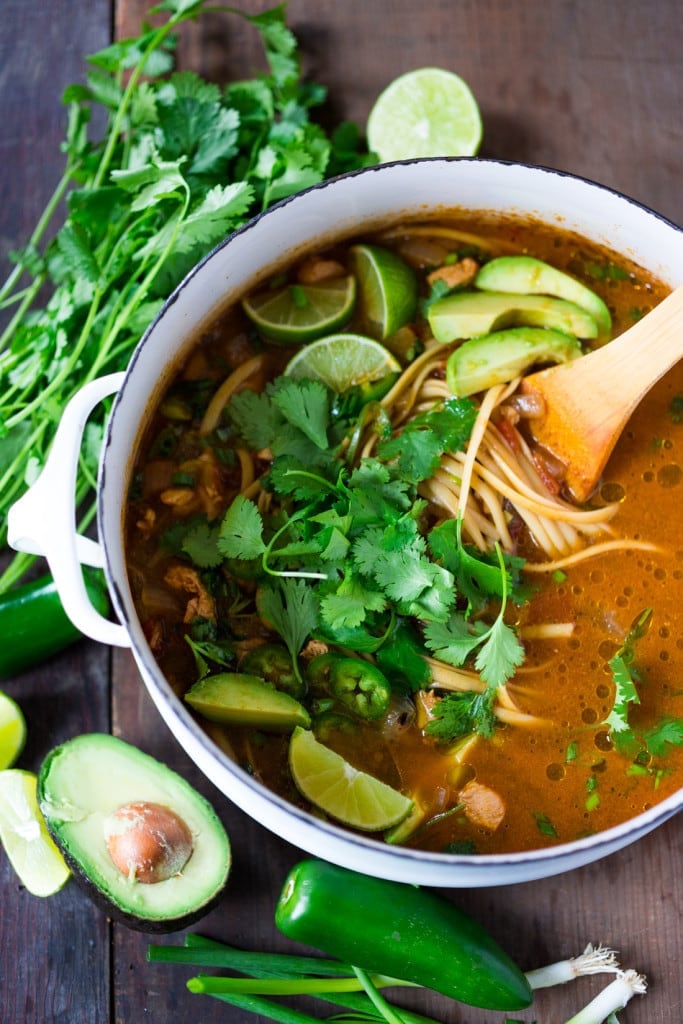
(147, 842)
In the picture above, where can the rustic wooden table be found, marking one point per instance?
(591, 88)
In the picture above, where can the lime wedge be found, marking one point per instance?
(295, 313)
(346, 794)
(24, 835)
(12, 731)
(342, 360)
(388, 288)
(427, 112)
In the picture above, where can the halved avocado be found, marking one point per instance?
(96, 791)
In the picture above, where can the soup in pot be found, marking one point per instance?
(371, 585)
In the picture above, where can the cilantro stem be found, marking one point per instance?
(271, 552)
(313, 476)
(116, 126)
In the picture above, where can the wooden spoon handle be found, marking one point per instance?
(588, 401)
(619, 374)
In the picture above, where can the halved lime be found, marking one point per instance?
(342, 360)
(25, 837)
(295, 313)
(423, 113)
(12, 731)
(336, 787)
(388, 288)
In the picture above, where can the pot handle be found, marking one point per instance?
(43, 520)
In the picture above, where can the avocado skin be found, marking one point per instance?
(112, 908)
(132, 921)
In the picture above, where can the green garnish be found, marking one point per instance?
(676, 409)
(545, 825)
(655, 741)
(179, 165)
(354, 540)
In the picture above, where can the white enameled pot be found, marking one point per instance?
(42, 521)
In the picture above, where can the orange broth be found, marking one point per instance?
(560, 780)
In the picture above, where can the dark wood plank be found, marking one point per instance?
(54, 953)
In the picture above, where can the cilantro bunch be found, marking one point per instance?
(181, 162)
(349, 553)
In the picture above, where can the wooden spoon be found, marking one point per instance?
(588, 401)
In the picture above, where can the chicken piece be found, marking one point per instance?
(201, 604)
(482, 805)
(211, 491)
(315, 270)
(183, 499)
(207, 493)
(145, 524)
(453, 274)
(425, 701)
(313, 648)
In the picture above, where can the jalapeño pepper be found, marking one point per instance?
(34, 625)
(354, 682)
(399, 930)
(273, 663)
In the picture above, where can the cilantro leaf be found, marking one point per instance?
(499, 655)
(305, 404)
(668, 732)
(241, 532)
(350, 604)
(455, 640)
(200, 543)
(418, 453)
(292, 609)
(423, 588)
(479, 575)
(625, 678)
(255, 418)
(453, 717)
(423, 440)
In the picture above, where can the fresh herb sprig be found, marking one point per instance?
(656, 741)
(347, 553)
(180, 163)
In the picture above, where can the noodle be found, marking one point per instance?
(225, 392)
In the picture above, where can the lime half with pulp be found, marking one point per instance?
(12, 731)
(24, 835)
(333, 785)
(341, 361)
(295, 313)
(424, 113)
(388, 288)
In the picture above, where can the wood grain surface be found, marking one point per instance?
(591, 88)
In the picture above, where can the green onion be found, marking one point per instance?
(613, 998)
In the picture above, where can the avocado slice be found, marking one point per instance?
(528, 275)
(235, 698)
(91, 789)
(469, 314)
(499, 357)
